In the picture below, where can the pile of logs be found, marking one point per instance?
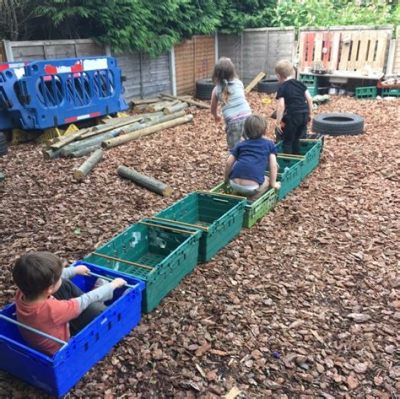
(150, 116)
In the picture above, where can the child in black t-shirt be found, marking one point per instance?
(294, 107)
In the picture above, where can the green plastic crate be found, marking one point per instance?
(309, 80)
(255, 210)
(219, 218)
(390, 92)
(311, 150)
(289, 174)
(313, 90)
(366, 92)
(161, 256)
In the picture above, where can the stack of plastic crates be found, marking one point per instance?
(367, 92)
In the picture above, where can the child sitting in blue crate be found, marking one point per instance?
(48, 301)
(250, 159)
(294, 108)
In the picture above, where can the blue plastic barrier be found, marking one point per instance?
(57, 92)
(5, 117)
(57, 374)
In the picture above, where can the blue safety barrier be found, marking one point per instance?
(51, 93)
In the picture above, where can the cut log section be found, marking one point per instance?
(254, 82)
(113, 142)
(88, 165)
(145, 181)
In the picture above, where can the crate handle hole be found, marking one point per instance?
(109, 325)
(86, 347)
(119, 317)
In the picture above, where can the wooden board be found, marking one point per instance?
(254, 82)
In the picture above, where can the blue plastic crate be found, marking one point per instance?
(219, 217)
(57, 374)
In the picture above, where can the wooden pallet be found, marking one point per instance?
(362, 51)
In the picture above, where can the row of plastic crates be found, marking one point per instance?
(49, 93)
(372, 92)
(154, 254)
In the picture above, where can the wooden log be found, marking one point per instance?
(140, 101)
(64, 140)
(254, 82)
(88, 165)
(175, 108)
(51, 153)
(191, 102)
(145, 181)
(160, 106)
(90, 142)
(84, 151)
(109, 143)
(131, 119)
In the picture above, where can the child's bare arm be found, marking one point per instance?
(214, 105)
(280, 109)
(228, 167)
(273, 172)
(310, 103)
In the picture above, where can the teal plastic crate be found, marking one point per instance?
(289, 173)
(219, 218)
(161, 256)
(254, 210)
(309, 80)
(366, 92)
(313, 90)
(311, 150)
(390, 92)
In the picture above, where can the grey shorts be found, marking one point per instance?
(234, 131)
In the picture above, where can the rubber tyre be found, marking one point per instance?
(268, 86)
(338, 124)
(3, 144)
(204, 88)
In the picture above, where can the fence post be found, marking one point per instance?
(8, 51)
(216, 49)
(172, 70)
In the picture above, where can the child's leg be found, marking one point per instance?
(289, 134)
(261, 190)
(234, 132)
(69, 290)
(301, 130)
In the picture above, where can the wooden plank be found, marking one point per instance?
(355, 41)
(379, 63)
(302, 55)
(362, 54)
(334, 57)
(318, 48)
(254, 82)
(310, 48)
(372, 35)
(345, 51)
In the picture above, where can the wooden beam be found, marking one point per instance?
(191, 102)
(113, 142)
(145, 181)
(254, 82)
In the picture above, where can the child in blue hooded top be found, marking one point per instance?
(250, 159)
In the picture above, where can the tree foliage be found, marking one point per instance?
(154, 26)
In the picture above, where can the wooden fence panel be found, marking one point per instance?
(257, 50)
(396, 57)
(49, 49)
(194, 59)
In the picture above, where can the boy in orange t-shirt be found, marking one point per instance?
(47, 301)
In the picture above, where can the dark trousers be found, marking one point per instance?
(295, 128)
(69, 290)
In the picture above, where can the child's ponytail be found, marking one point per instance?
(224, 72)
